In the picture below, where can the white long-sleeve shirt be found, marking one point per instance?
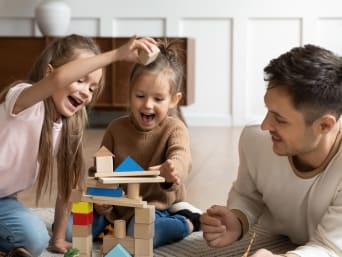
(305, 206)
(19, 137)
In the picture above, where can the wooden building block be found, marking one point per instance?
(143, 247)
(82, 207)
(133, 191)
(128, 164)
(147, 58)
(145, 215)
(110, 241)
(82, 219)
(93, 182)
(121, 201)
(144, 231)
(120, 228)
(118, 251)
(84, 244)
(75, 195)
(104, 160)
(81, 230)
(110, 192)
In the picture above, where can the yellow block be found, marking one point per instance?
(82, 207)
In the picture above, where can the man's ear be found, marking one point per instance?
(175, 99)
(326, 123)
(49, 70)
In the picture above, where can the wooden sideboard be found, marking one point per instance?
(18, 54)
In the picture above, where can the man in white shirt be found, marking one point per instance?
(290, 172)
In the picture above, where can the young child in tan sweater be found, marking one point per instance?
(154, 134)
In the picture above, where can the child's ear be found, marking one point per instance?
(175, 99)
(49, 69)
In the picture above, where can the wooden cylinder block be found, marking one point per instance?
(133, 191)
(120, 228)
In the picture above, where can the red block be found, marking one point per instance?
(83, 219)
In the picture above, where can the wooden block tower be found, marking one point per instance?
(82, 227)
(141, 244)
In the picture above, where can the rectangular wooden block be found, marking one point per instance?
(82, 219)
(84, 244)
(82, 207)
(144, 231)
(110, 192)
(81, 230)
(109, 242)
(145, 215)
(75, 195)
(143, 247)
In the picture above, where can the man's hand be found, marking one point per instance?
(220, 226)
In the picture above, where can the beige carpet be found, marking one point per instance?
(193, 245)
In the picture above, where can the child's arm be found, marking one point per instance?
(62, 212)
(74, 70)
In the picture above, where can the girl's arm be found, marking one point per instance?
(76, 69)
(62, 212)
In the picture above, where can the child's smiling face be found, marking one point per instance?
(150, 100)
(78, 94)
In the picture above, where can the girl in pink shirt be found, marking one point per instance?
(43, 120)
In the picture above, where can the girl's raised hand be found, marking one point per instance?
(129, 51)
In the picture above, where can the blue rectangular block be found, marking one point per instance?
(111, 192)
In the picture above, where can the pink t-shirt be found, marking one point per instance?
(19, 137)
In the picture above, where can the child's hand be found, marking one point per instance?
(103, 209)
(59, 246)
(167, 170)
(129, 51)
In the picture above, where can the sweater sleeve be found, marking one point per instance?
(244, 197)
(326, 240)
(178, 150)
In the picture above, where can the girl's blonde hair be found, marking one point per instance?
(169, 64)
(70, 157)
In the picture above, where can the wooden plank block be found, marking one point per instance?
(122, 201)
(93, 182)
(144, 173)
(121, 180)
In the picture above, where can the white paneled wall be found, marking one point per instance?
(235, 39)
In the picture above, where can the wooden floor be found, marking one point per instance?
(215, 161)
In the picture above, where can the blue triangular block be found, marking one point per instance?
(129, 165)
(118, 251)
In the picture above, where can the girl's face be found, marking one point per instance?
(70, 99)
(150, 100)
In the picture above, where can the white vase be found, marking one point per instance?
(53, 17)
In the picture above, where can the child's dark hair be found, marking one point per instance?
(169, 63)
(312, 77)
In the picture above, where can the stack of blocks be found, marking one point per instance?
(118, 244)
(82, 227)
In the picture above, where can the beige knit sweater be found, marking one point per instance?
(170, 140)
